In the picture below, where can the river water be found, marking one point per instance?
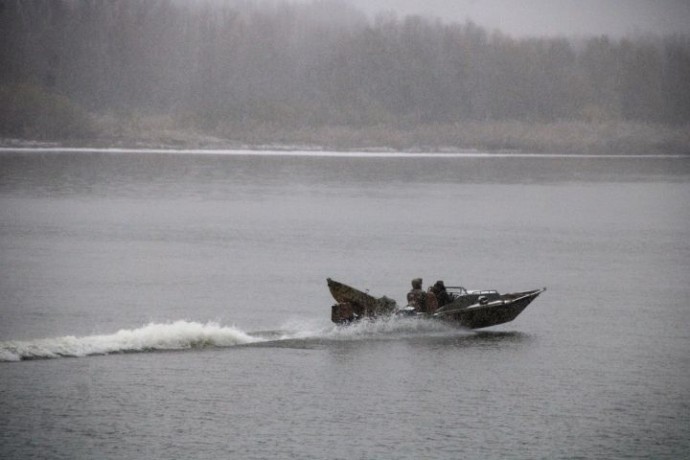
(174, 305)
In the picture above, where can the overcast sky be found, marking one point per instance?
(551, 17)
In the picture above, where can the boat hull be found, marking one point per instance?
(499, 311)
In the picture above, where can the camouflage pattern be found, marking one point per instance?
(354, 304)
(417, 298)
(344, 312)
(423, 302)
(431, 303)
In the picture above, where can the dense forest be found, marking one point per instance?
(283, 72)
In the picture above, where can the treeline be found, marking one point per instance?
(222, 65)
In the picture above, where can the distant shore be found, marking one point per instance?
(566, 137)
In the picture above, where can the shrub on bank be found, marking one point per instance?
(614, 137)
(31, 112)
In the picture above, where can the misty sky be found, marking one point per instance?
(551, 17)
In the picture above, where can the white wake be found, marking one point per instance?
(179, 335)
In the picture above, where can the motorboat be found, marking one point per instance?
(473, 309)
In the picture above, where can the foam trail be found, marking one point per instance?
(383, 328)
(172, 336)
(181, 335)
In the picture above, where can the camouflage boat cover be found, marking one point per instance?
(354, 304)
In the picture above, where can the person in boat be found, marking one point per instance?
(423, 302)
(416, 297)
(439, 290)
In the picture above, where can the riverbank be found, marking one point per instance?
(564, 137)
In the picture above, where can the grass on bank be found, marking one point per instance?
(584, 137)
(31, 113)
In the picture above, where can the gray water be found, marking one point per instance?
(168, 306)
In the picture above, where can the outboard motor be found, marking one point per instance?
(343, 313)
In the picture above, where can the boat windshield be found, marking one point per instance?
(456, 290)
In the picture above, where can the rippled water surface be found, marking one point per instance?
(175, 306)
